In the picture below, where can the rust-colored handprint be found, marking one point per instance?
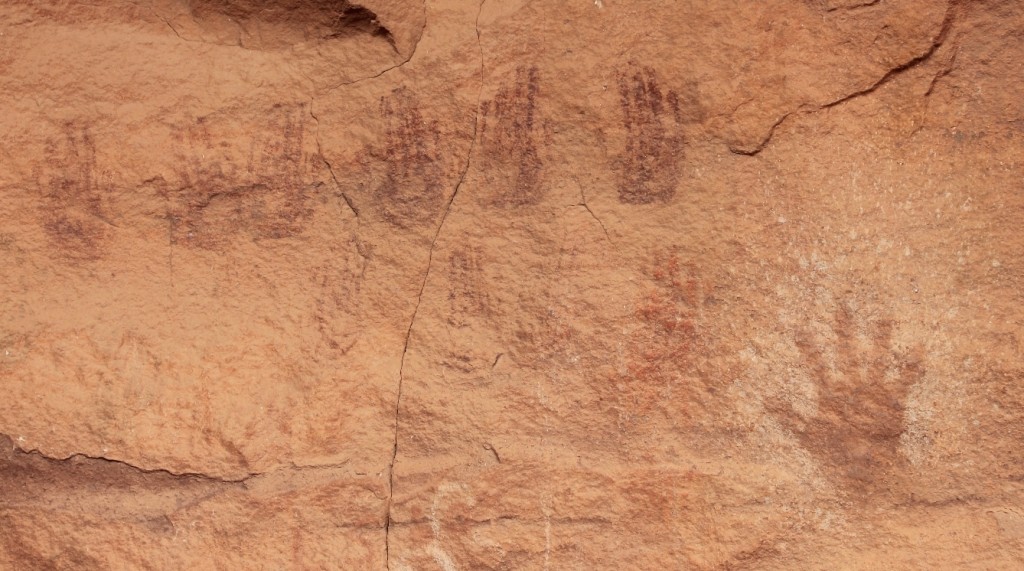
(861, 399)
(412, 190)
(467, 296)
(223, 192)
(664, 350)
(73, 216)
(649, 170)
(508, 135)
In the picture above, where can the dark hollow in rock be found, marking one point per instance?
(281, 24)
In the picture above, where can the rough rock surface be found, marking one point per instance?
(593, 284)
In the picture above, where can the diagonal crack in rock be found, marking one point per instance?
(945, 29)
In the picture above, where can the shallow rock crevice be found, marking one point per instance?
(945, 31)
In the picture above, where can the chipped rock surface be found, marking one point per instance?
(319, 284)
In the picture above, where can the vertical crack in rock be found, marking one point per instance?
(330, 168)
(583, 203)
(419, 297)
(945, 29)
(946, 69)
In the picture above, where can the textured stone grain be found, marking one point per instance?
(298, 284)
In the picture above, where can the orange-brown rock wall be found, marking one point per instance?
(600, 284)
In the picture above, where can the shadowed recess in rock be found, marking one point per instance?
(282, 24)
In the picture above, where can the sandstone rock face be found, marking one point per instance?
(311, 284)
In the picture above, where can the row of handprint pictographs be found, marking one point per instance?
(512, 137)
(222, 186)
(217, 194)
(220, 192)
